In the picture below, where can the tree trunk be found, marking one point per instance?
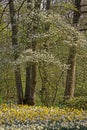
(28, 99)
(48, 4)
(31, 68)
(70, 79)
(77, 13)
(15, 45)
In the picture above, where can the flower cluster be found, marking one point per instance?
(42, 118)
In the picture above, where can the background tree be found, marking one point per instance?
(44, 40)
(31, 67)
(15, 46)
(70, 79)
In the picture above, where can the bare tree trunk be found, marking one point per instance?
(28, 98)
(15, 45)
(70, 79)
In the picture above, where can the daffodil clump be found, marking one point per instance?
(42, 118)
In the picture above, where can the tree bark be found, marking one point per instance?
(48, 4)
(15, 45)
(70, 79)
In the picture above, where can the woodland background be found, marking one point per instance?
(43, 52)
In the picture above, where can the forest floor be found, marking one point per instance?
(23, 117)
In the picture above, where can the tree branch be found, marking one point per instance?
(4, 27)
(83, 29)
(84, 12)
(3, 11)
(21, 5)
(83, 5)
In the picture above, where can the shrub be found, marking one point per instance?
(77, 102)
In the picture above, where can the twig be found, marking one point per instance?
(4, 27)
(4, 11)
